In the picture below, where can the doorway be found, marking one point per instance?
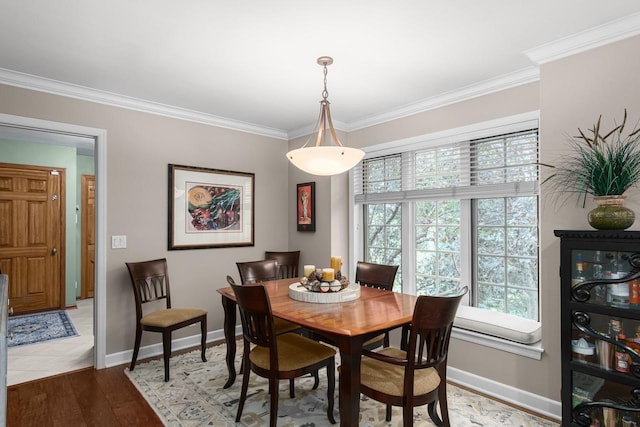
(56, 133)
(32, 200)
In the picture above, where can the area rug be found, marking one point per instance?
(194, 397)
(40, 327)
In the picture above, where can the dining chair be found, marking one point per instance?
(379, 276)
(418, 375)
(287, 262)
(257, 271)
(150, 280)
(277, 356)
(262, 271)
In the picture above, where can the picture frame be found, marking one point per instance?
(306, 206)
(210, 208)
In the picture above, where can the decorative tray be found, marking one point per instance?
(299, 292)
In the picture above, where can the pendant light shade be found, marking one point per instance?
(328, 159)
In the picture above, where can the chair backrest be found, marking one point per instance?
(376, 275)
(257, 271)
(287, 262)
(255, 314)
(430, 330)
(150, 280)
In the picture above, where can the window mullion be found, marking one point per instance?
(408, 248)
(466, 249)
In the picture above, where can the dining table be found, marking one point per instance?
(347, 325)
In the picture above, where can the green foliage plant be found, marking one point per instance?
(601, 164)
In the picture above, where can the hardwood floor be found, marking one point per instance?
(87, 397)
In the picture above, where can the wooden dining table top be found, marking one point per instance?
(376, 310)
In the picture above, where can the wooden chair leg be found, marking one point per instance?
(166, 352)
(273, 391)
(407, 416)
(203, 340)
(316, 380)
(136, 347)
(433, 414)
(292, 389)
(388, 413)
(245, 385)
(331, 386)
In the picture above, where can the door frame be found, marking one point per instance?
(100, 158)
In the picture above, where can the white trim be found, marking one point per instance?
(532, 351)
(28, 81)
(100, 290)
(517, 122)
(515, 396)
(152, 350)
(497, 84)
(518, 78)
(601, 35)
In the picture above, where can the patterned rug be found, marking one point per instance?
(194, 397)
(35, 328)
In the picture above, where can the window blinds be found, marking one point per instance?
(497, 166)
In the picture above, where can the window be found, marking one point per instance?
(458, 212)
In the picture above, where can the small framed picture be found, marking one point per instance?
(210, 208)
(306, 206)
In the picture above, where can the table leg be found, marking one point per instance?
(350, 354)
(230, 337)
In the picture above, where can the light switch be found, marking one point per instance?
(118, 242)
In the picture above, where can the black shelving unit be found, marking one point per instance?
(600, 331)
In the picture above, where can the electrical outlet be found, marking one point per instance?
(118, 242)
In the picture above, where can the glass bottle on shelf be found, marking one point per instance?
(578, 275)
(621, 356)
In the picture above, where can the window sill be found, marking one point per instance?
(532, 351)
(499, 330)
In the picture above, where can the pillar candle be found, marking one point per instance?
(308, 269)
(336, 263)
(328, 275)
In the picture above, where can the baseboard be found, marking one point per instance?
(524, 399)
(124, 357)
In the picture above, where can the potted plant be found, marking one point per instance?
(603, 165)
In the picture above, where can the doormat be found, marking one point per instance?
(40, 327)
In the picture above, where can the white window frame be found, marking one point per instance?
(490, 128)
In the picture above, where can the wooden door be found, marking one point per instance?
(31, 236)
(88, 213)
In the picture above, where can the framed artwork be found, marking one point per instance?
(306, 206)
(210, 208)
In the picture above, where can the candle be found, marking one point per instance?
(328, 274)
(336, 263)
(308, 269)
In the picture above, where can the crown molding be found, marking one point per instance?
(524, 76)
(506, 81)
(601, 35)
(28, 81)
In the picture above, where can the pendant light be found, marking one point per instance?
(328, 159)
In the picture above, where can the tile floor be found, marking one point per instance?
(34, 361)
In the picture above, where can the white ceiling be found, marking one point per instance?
(254, 61)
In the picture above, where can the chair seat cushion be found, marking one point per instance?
(171, 316)
(294, 352)
(389, 379)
